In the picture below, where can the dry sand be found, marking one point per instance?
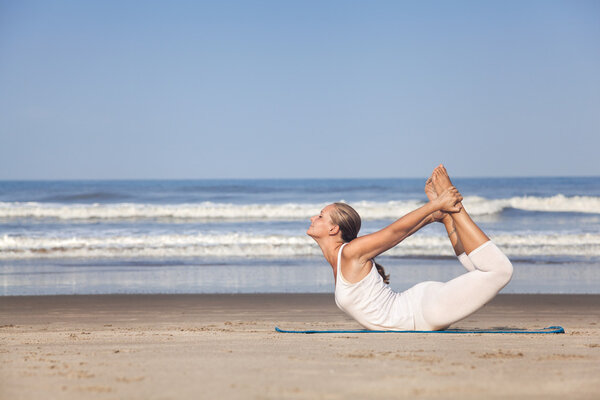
(224, 347)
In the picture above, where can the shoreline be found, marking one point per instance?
(224, 346)
(274, 277)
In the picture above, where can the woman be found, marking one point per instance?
(360, 289)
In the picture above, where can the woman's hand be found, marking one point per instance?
(449, 200)
(364, 248)
(438, 216)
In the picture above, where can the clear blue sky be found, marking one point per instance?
(281, 89)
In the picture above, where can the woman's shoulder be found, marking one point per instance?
(353, 267)
(353, 251)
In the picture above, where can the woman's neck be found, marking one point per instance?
(330, 249)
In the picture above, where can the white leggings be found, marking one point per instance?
(437, 305)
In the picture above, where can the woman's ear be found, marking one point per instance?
(334, 230)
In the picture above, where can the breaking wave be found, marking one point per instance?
(369, 210)
(255, 246)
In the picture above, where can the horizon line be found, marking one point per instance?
(290, 179)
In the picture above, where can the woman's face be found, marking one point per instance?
(321, 224)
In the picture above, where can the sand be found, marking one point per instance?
(225, 347)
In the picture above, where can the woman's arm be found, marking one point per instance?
(369, 246)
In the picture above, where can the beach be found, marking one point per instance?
(177, 180)
(172, 290)
(225, 346)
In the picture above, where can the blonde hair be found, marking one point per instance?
(349, 222)
(347, 219)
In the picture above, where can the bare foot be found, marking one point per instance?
(440, 179)
(432, 195)
(430, 190)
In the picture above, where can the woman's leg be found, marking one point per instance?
(443, 304)
(448, 222)
(469, 234)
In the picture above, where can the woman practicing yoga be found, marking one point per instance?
(360, 287)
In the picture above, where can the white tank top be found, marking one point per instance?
(372, 302)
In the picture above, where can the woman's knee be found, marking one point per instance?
(505, 271)
(489, 258)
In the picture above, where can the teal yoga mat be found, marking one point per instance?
(550, 329)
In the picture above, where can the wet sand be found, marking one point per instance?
(225, 346)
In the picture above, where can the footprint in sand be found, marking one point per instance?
(562, 357)
(130, 380)
(95, 389)
(501, 354)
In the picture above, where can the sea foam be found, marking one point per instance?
(368, 210)
(256, 246)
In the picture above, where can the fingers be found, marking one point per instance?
(459, 196)
(454, 209)
(454, 191)
(452, 199)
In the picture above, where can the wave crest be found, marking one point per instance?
(253, 246)
(291, 211)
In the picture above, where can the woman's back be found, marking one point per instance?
(371, 301)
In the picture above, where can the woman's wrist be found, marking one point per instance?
(436, 205)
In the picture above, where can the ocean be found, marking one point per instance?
(247, 236)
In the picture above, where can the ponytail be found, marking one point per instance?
(386, 278)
